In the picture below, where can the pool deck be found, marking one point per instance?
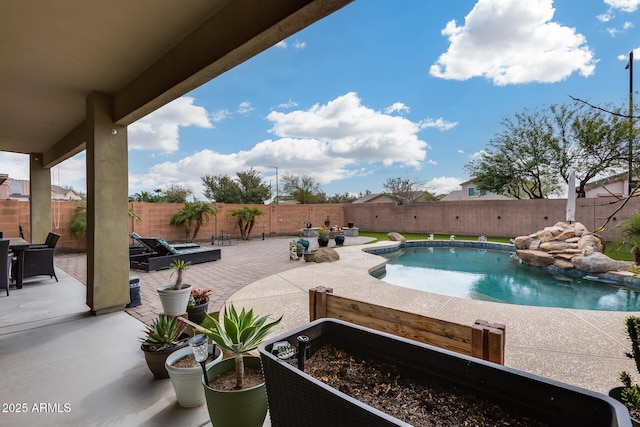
(54, 352)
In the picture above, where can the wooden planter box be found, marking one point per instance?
(297, 399)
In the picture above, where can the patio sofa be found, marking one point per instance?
(159, 254)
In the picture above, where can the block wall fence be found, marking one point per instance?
(501, 218)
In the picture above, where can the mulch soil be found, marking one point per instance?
(399, 393)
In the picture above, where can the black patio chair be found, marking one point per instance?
(38, 259)
(5, 265)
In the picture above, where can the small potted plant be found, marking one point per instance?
(323, 236)
(175, 297)
(164, 336)
(237, 333)
(327, 221)
(629, 392)
(198, 305)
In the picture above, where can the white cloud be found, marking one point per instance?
(443, 185)
(299, 45)
(627, 25)
(398, 107)
(512, 42)
(15, 165)
(326, 141)
(281, 44)
(606, 17)
(220, 115)
(479, 154)
(628, 6)
(160, 130)
(439, 123)
(289, 104)
(245, 108)
(460, 151)
(72, 172)
(350, 130)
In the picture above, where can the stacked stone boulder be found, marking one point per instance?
(567, 245)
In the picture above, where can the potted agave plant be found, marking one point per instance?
(164, 336)
(198, 305)
(175, 297)
(239, 403)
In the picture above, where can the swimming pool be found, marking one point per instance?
(498, 276)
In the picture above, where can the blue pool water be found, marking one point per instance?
(490, 275)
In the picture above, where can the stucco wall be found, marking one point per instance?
(505, 218)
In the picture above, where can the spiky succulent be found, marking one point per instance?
(163, 333)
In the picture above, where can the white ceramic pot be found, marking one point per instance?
(174, 302)
(187, 382)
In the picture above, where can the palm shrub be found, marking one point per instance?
(631, 234)
(192, 215)
(238, 333)
(246, 219)
(630, 394)
(78, 223)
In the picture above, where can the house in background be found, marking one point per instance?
(614, 185)
(470, 192)
(374, 198)
(18, 189)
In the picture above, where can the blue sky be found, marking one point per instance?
(381, 89)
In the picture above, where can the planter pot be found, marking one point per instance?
(156, 359)
(235, 408)
(197, 313)
(307, 224)
(323, 241)
(350, 225)
(308, 256)
(187, 382)
(295, 397)
(327, 223)
(304, 243)
(615, 393)
(174, 302)
(339, 240)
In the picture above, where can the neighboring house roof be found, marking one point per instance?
(18, 189)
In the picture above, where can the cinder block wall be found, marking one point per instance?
(504, 218)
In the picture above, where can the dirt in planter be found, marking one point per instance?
(227, 380)
(189, 361)
(398, 393)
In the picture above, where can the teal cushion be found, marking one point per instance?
(170, 248)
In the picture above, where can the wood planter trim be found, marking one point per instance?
(483, 339)
(296, 398)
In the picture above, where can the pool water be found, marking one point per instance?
(498, 276)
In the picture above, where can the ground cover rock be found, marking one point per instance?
(598, 263)
(326, 255)
(396, 237)
(535, 258)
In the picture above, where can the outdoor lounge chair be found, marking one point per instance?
(160, 254)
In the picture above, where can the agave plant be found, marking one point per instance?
(241, 332)
(163, 333)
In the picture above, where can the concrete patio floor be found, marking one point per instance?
(67, 367)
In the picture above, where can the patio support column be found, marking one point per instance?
(40, 199)
(107, 208)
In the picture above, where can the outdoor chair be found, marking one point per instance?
(161, 254)
(5, 264)
(38, 258)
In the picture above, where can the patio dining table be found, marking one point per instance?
(18, 245)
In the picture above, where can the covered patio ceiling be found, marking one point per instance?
(142, 53)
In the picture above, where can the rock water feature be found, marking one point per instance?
(567, 246)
